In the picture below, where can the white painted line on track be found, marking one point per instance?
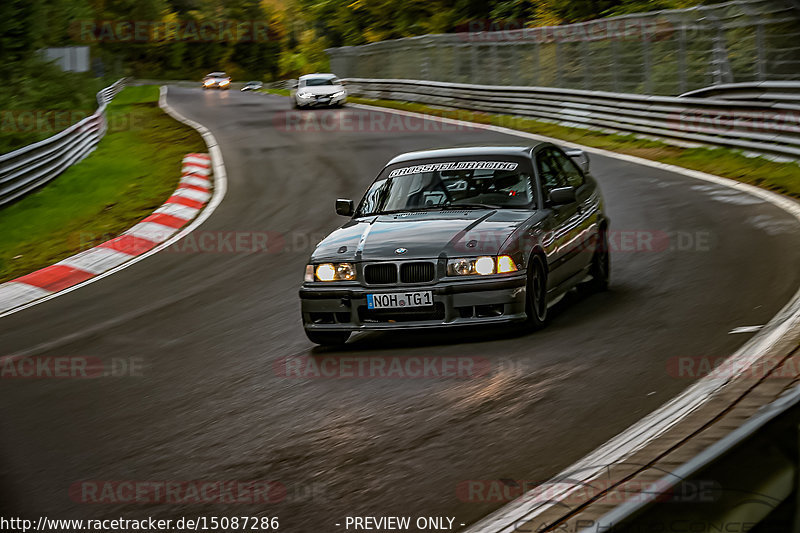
(193, 180)
(96, 260)
(192, 194)
(177, 210)
(220, 178)
(745, 329)
(195, 169)
(151, 231)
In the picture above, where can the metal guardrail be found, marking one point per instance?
(763, 127)
(26, 169)
(661, 52)
(754, 470)
(779, 92)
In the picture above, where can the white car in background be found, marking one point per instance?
(318, 90)
(217, 80)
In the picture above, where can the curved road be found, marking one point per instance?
(207, 327)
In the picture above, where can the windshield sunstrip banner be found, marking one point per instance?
(454, 165)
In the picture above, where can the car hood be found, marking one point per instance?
(423, 235)
(322, 90)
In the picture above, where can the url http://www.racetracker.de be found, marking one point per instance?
(200, 523)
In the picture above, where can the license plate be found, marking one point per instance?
(399, 300)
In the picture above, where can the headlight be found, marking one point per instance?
(338, 94)
(305, 95)
(505, 264)
(331, 272)
(208, 82)
(224, 82)
(481, 266)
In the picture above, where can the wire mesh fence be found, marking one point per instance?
(664, 52)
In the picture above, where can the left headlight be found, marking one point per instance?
(337, 94)
(224, 82)
(331, 272)
(481, 266)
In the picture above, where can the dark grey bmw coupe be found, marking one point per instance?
(459, 237)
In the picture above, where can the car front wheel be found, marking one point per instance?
(328, 338)
(536, 294)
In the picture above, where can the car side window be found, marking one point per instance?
(549, 172)
(568, 168)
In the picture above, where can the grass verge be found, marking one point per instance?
(783, 178)
(280, 92)
(134, 169)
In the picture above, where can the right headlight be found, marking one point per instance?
(481, 266)
(305, 95)
(331, 272)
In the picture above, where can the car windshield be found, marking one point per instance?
(464, 184)
(216, 75)
(315, 82)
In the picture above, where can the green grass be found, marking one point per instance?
(281, 92)
(783, 178)
(133, 170)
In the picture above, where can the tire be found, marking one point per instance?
(328, 338)
(536, 294)
(601, 264)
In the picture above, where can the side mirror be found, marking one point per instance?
(293, 84)
(344, 207)
(581, 159)
(562, 196)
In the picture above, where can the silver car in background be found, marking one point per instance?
(318, 90)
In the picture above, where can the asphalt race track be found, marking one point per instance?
(206, 327)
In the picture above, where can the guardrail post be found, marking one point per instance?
(559, 81)
(647, 63)
(682, 78)
(474, 58)
(495, 64)
(587, 78)
(426, 62)
(761, 59)
(513, 66)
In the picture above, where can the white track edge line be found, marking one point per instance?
(220, 188)
(645, 431)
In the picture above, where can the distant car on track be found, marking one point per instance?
(216, 80)
(318, 90)
(460, 236)
(252, 86)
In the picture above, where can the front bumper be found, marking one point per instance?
(456, 303)
(315, 102)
